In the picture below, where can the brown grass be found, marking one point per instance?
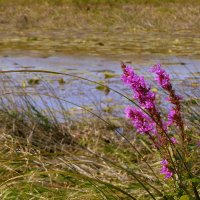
(101, 28)
(100, 17)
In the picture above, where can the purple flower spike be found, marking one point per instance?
(173, 117)
(151, 123)
(168, 175)
(164, 162)
(162, 78)
(174, 140)
(141, 89)
(165, 170)
(141, 121)
(128, 75)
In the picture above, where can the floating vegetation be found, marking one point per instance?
(61, 81)
(23, 84)
(34, 81)
(108, 75)
(26, 67)
(108, 109)
(103, 88)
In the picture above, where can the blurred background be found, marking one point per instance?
(111, 28)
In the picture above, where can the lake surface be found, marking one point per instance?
(185, 74)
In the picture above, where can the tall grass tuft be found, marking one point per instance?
(45, 158)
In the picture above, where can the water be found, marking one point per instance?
(185, 75)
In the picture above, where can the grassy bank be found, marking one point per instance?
(41, 158)
(93, 158)
(101, 27)
(101, 15)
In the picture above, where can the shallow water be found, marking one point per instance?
(185, 75)
(85, 64)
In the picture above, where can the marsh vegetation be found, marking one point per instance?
(63, 132)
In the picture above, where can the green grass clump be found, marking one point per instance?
(81, 157)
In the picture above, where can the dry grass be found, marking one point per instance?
(101, 17)
(101, 28)
(100, 164)
(43, 168)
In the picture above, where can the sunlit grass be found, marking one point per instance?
(94, 27)
(95, 161)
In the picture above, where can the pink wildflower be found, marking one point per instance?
(150, 124)
(162, 78)
(165, 170)
(164, 162)
(141, 90)
(174, 140)
(172, 116)
(141, 121)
